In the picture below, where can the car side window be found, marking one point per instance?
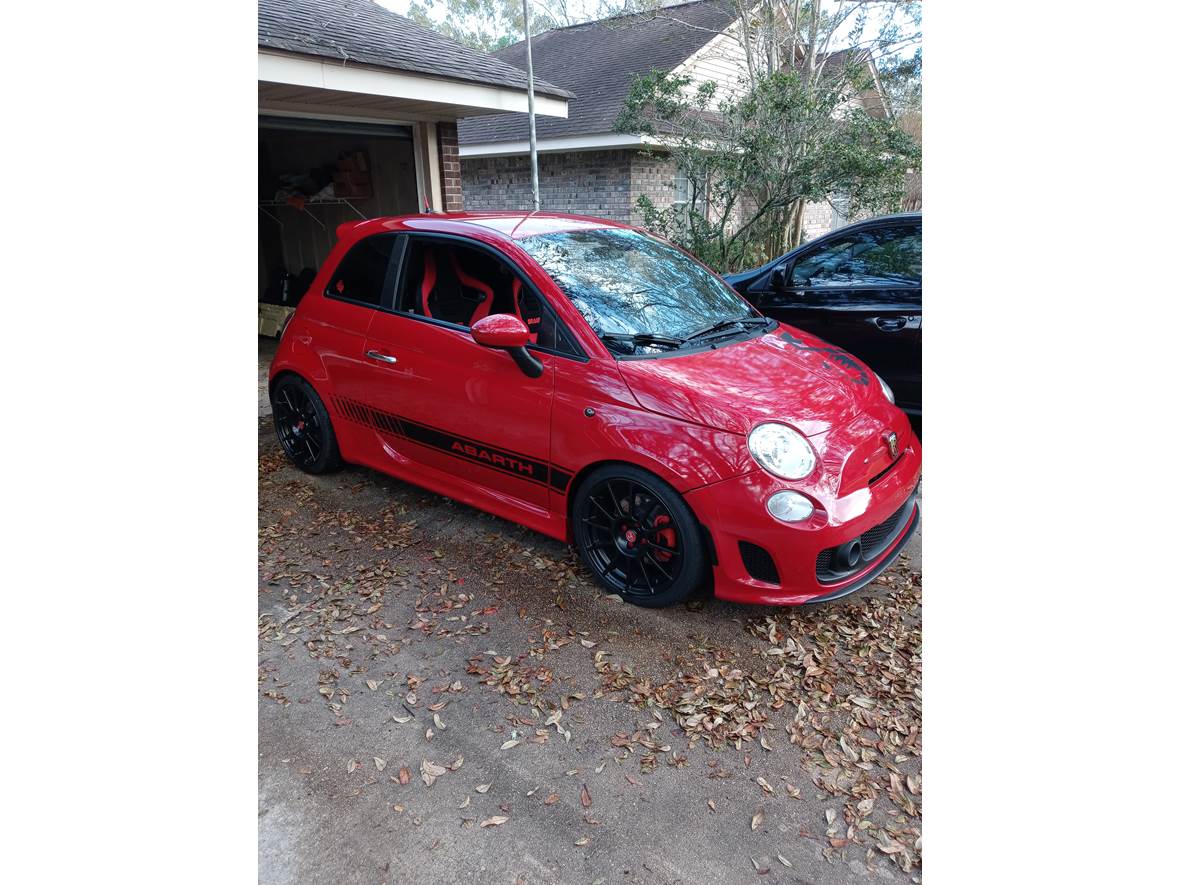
(366, 273)
(883, 257)
(460, 284)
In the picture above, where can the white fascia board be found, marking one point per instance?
(597, 142)
(318, 74)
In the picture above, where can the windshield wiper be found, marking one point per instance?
(644, 339)
(725, 324)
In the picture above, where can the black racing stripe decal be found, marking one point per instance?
(840, 357)
(462, 447)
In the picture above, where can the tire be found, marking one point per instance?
(637, 536)
(303, 426)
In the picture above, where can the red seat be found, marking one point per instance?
(429, 277)
(534, 323)
(485, 306)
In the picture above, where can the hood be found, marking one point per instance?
(786, 375)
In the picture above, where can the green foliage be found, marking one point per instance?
(790, 134)
(761, 155)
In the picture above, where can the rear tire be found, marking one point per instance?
(638, 537)
(303, 426)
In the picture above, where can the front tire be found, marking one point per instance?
(637, 536)
(303, 426)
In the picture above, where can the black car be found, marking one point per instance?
(859, 287)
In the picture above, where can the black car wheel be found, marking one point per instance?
(303, 426)
(637, 536)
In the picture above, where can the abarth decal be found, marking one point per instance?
(512, 463)
(842, 358)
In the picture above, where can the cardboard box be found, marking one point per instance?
(272, 318)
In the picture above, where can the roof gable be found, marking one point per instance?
(597, 61)
(361, 32)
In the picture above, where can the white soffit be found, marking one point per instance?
(317, 74)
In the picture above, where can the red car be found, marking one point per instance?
(600, 386)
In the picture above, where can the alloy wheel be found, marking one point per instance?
(298, 425)
(633, 540)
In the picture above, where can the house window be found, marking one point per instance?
(681, 188)
(840, 206)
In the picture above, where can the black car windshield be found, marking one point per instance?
(637, 293)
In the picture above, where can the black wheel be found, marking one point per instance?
(638, 536)
(303, 426)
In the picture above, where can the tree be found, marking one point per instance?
(489, 25)
(790, 132)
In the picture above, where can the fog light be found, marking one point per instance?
(789, 506)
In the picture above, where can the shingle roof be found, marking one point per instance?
(597, 62)
(360, 31)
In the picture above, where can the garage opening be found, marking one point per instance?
(314, 175)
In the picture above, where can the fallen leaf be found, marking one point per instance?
(766, 788)
(403, 776)
(483, 788)
(379, 762)
(712, 805)
(508, 745)
(431, 772)
(352, 765)
(493, 821)
(551, 798)
(583, 841)
(585, 797)
(756, 820)
(783, 860)
(466, 801)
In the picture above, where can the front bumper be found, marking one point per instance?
(734, 512)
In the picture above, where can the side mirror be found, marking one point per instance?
(503, 331)
(778, 278)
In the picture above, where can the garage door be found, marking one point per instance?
(312, 176)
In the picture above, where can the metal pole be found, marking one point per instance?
(528, 50)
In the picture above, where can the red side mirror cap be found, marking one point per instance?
(501, 330)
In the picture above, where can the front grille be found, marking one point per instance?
(874, 540)
(872, 544)
(758, 562)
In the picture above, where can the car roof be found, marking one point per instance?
(515, 225)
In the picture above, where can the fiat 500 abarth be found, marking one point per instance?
(602, 387)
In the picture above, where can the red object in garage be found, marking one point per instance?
(600, 386)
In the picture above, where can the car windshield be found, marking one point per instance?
(637, 293)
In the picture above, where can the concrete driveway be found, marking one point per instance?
(445, 696)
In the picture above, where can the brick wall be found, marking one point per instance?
(601, 183)
(654, 177)
(448, 161)
(582, 182)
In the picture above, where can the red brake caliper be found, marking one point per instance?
(666, 536)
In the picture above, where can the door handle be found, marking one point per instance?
(890, 324)
(380, 357)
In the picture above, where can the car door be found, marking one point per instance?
(445, 402)
(338, 324)
(861, 291)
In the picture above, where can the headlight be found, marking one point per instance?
(789, 506)
(781, 451)
(885, 388)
